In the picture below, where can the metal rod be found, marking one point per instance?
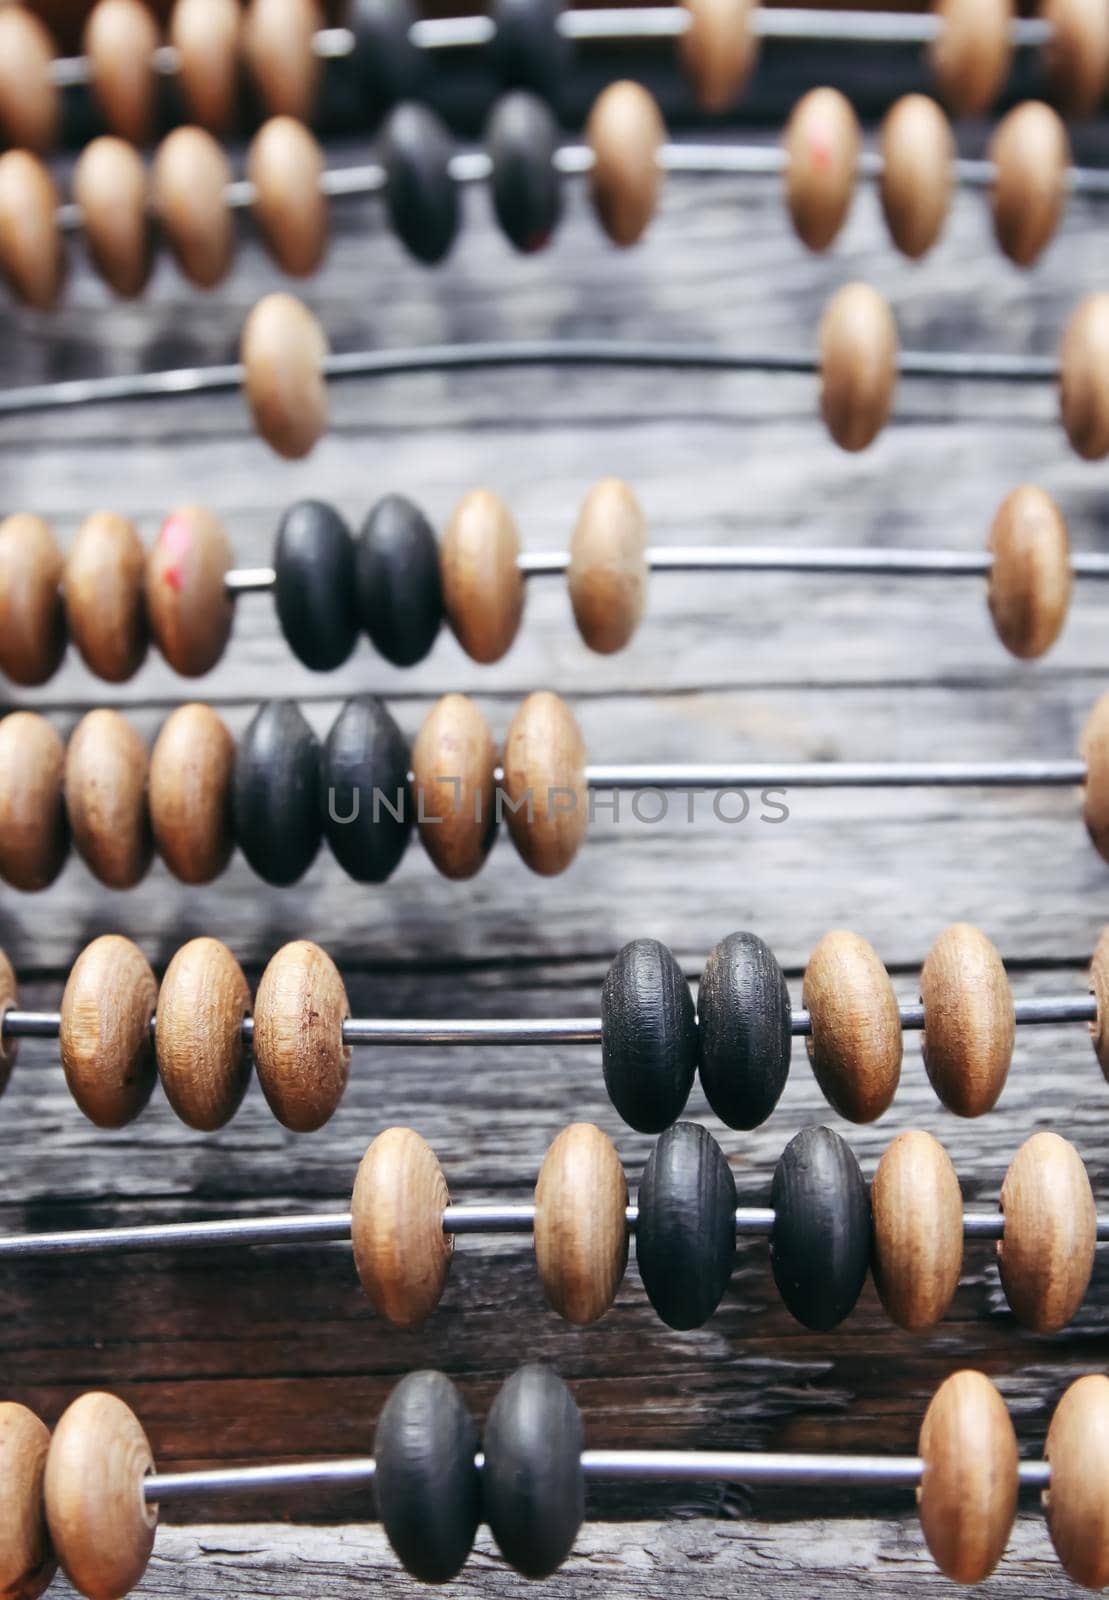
(842, 775)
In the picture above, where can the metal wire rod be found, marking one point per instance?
(842, 775)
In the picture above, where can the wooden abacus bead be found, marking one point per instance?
(277, 47)
(100, 1524)
(364, 782)
(276, 793)
(454, 760)
(1046, 1254)
(547, 801)
(420, 193)
(27, 1562)
(32, 256)
(718, 50)
(283, 353)
(532, 1486)
(479, 566)
(820, 1246)
(313, 588)
(188, 184)
(1094, 749)
(522, 137)
(189, 793)
(625, 132)
(648, 1036)
(972, 53)
(284, 163)
(120, 39)
(34, 832)
(400, 1248)
(206, 35)
(969, 1021)
(32, 618)
(1099, 988)
(855, 1043)
(918, 1230)
(858, 365)
(106, 1048)
(685, 1236)
(202, 1061)
(1077, 1501)
(822, 140)
(111, 187)
(918, 176)
(1084, 378)
(426, 1481)
(1077, 53)
(30, 106)
(968, 1492)
(187, 602)
(106, 767)
(299, 1053)
(1031, 154)
(103, 587)
(1030, 577)
(581, 1230)
(9, 1049)
(399, 593)
(744, 1025)
(608, 569)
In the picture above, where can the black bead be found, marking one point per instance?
(364, 795)
(685, 1235)
(314, 589)
(425, 1480)
(648, 1036)
(522, 137)
(744, 1023)
(275, 793)
(532, 1485)
(529, 51)
(820, 1247)
(400, 598)
(388, 66)
(421, 194)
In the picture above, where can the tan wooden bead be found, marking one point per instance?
(1077, 1501)
(1077, 53)
(396, 1224)
(479, 567)
(30, 105)
(191, 768)
(106, 764)
(917, 1207)
(918, 154)
(969, 1022)
(202, 1061)
(822, 140)
(858, 365)
(855, 1042)
(34, 833)
(547, 803)
(106, 1048)
(187, 601)
(120, 39)
(608, 570)
(718, 50)
(110, 185)
(973, 52)
(1046, 1255)
(277, 46)
(27, 1562)
(1084, 378)
(32, 256)
(104, 603)
(581, 1231)
(968, 1493)
(299, 1054)
(32, 617)
(206, 35)
(1094, 749)
(188, 183)
(454, 760)
(9, 1049)
(1099, 988)
(283, 352)
(100, 1524)
(284, 164)
(625, 132)
(1031, 154)
(1030, 579)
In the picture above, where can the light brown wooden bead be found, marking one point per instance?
(1031, 153)
(917, 182)
(9, 1049)
(973, 53)
(969, 1022)
(1077, 1502)
(822, 140)
(855, 1042)
(608, 569)
(1047, 1252)
(968, 1494)
(27, 1562)
(1094, 749)
(547, 803)
(299, 1053)
(283, 352)
(187, 602)
(917, 1207)
(284, 164)
(30, 106)
(110, 185)
(483, 587)
(32, 616)
(34, 833)
(206, 35)
(191, 768)
(581, 1231)
(120, 39)
(1076, 55)
(106, 1048)
(625, 132)
(1030, 579)
(454, 760)
(277, 46)
(188, 184)
(718, 50)
(1099, 988)
(858, 365)
(32, 256)
(104, 604)
(101, 1527)
(106, 765)
(1084, 378)
(396, 1227)
(202, 1062)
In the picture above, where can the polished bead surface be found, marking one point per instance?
(398, 591)
(364, 793)
(104, 1034)
(968, 1493)
(34, 828)
(100, 1524)
(401, 1252)
(388, 66)
(189, 793)
(421, 195)
(202, 1060)
(522, 137)
(27, 1561)
(426, 1482)
(275, 793)
(649, 1036)
(685, 1237)
(299, 1052)
(820, 1246)
(532, 1484)
(581, 1229)
(529, 51)
(314, 590)
(744, 1021)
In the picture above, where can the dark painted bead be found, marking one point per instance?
(648, 1036)
(427, 1487)
(276, 793)
(400, 598)
(364, 794)
(388, 66)
(685, 1235)
(532, 1485)
(744, 1023)
(820, 1247)
(421, 194)
(314, 591)
(528, 51)
(522, 137)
